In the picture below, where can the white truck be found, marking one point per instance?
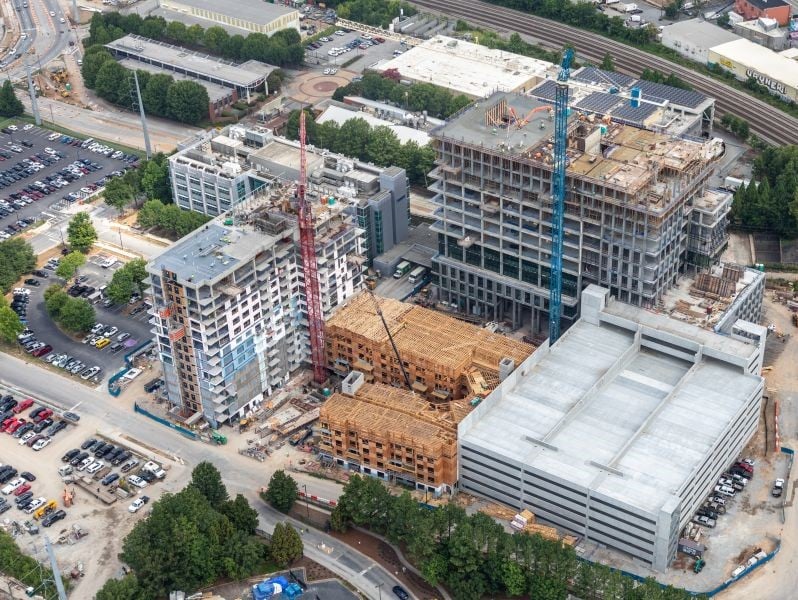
(154, 468)
(627, 8)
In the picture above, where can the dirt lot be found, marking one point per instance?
(98, 551)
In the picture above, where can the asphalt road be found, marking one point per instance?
(47, 36)
(114, 417)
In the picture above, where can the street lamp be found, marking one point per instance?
(307, 501)
(379, 588)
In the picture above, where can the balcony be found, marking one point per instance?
(177, 334)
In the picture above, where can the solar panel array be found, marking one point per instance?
(545, 91)
(659, 91)
(599, 102)
(633, 116)
(601, 77)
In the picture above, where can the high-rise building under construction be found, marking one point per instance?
(637, 209)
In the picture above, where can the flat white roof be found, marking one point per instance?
(598, 399)
(341, 115)
(468, 68)
(261, 13)
(761, 59)
(699, 32)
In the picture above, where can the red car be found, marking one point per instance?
(45, 414)
(24, 405)
(22, 489)
(42, 351)
(8, 423)
(14, 426)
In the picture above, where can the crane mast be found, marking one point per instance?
(310, 268)
(558, 194)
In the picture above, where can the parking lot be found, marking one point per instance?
(352, 41)
(82, 499)
(21, 198)
(131, 319)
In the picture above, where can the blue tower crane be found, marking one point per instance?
(558, 194)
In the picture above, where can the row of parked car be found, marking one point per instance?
(94, 146)
(26, 167)
(732, 481)
(105, 456)
(38, 349)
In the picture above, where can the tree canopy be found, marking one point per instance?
(170, 218)
(118, 193)
(10, 325)
(282, 491)
(127, 280)
(206, 478)
(16, 258)
(81, 233)
(187, 102)
(69, 264)
(75, 315)
(10, 105)
(286, 546)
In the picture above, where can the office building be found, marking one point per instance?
(222, 171)
(629, 197)
(620, 430)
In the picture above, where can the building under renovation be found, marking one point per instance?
(445, 359)
(229, 313)
(389, 433)
(630, 195)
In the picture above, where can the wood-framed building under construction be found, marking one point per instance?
(389, 433)
(445, 359)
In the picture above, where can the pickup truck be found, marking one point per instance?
(154, 468)
(778, 488)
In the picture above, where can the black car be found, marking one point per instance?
(106, 451)
(79, 459)
(59, 426)
(23, 498)
(53, 517)
(88, 444)
(41, 273)
(33, 282)
(27, 476)
(400, 592)
(109, 479)
(70, 455)
(147, 476)
(99, 448)
(70, 416)
(121, 457)
(24, 429)
(8, 475)
(4, 508)
(34, 413)
(42, 425)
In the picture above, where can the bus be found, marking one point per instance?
(417, 274)
(402, 268)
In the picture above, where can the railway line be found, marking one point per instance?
(765, 121)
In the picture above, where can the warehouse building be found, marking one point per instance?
(467, 68)
(763, 31)
(245, 16)
(692, 38)
(245, 78)
(220, 171)
(630, 192)
(620, 430)
(389, 433)
(229, 312)
(746, 59)
(445, 359)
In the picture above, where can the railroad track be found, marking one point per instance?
(765, 121)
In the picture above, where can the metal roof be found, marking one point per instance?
(599, 102)
(674, 95)
(261, 13)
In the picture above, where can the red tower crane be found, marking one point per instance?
(309, 267)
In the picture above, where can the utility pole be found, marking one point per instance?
(34, 104)
(59, 584)
(143, 118)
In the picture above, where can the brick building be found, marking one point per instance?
(772, 9)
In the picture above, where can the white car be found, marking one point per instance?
(12, 485)
(98, 327)
(24, 439)
(53, 136)
(42, 443)
(326, 71)
(137, 504)
(27, 127)
(13, 127)
(35, 504)
(52, 13)
(137, 481)
(85, 463)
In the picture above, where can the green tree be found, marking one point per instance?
(177, 32)
(81, 233)
(16, 258)
(155, 181)
(723, 20)
(118, 194)
(113, 82)
(672, 10)
(10, 105)
(154, 94)
(383, 147)
(187, 102)
(286, 545)
(353, 137)
(126, 588)
(121, 287)
(206, 478)
(93, 60)
(274, 82)
(10, 325)
(54, 299)
(70, 264)
(607, 63)
(77, 315)
(243, 517)
(214, 39)
(282, 491)
(150, 213)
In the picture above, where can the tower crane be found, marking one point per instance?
(558, 195)
(310, 270)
